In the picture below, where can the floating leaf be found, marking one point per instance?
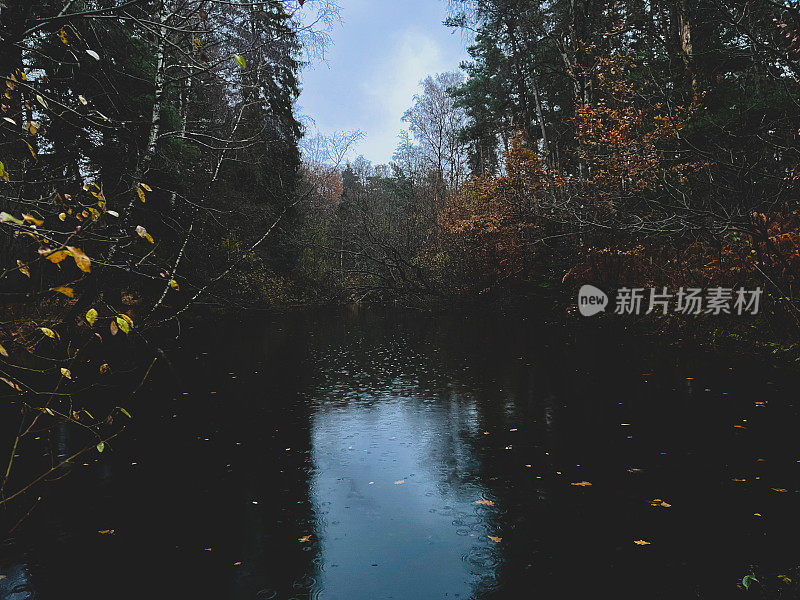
(400, 482)
(123, 325)
(62, 216)
(55, 257)
(113, 213)
(495, 539)
(105, 531)
(113, 327)
(91, 316)
(33, 220)
(10, 120)
(11, 383)
(582, 483)
(23, 268)
(49, 332)
(140, 191)
(82, 100)
(304, 539)
(142, 232)
(240, 60)
(641, 543)
(33, 127)
(101, 446)
(66, 373)
(174, 284)
(81, 260)
(146, 187)
(93, 54)
(3, 351)
(485, 502)
(125, 412)
(104, 368)
(41, 101)
(62, 289)
(748, 580)
(5, 217)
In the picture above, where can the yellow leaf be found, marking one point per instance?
(123, 325)
(23, 268)
(495, 539)
(140, 191)
(82, 100)
(485, 502)
(582, 483)
(33, 127)
(174, 284)
(3, 351)
(67, 291)
(55, 257)
(641, 543)
(127, 318)
(31, 219)
(91, 316)
(83, 262)
(142, 232)
(304, 539)
(11, 383)
(104, 368)
(66, 373)
(62, 216)
(49, 332)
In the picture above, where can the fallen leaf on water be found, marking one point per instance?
(641, 543)
(515, 429)
(635, 470)
(400, 482)
(485, 502)
(738, 480)
(528, 466)
(304, 539)
(659, 502)
(106, 531)
(582, 483)
(756, 514)
(207, 549)
(781, 490)
(495, 539)
(485, 433)
(236, 564)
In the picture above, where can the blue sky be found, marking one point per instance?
(381, 50)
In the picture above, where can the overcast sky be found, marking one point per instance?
(380, 53)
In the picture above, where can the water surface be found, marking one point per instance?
(374, 454)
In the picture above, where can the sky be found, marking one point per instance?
(381, 51)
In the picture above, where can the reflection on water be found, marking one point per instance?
(363, 455)
(394, 493)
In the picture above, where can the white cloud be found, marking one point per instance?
(390, 88)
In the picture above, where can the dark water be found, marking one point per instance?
(373, 435)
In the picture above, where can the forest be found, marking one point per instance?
(154, 166)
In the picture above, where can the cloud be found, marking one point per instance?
(390, 88)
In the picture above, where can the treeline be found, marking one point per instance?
(618, 143)
(149, 161)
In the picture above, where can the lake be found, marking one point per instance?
(367, 454)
